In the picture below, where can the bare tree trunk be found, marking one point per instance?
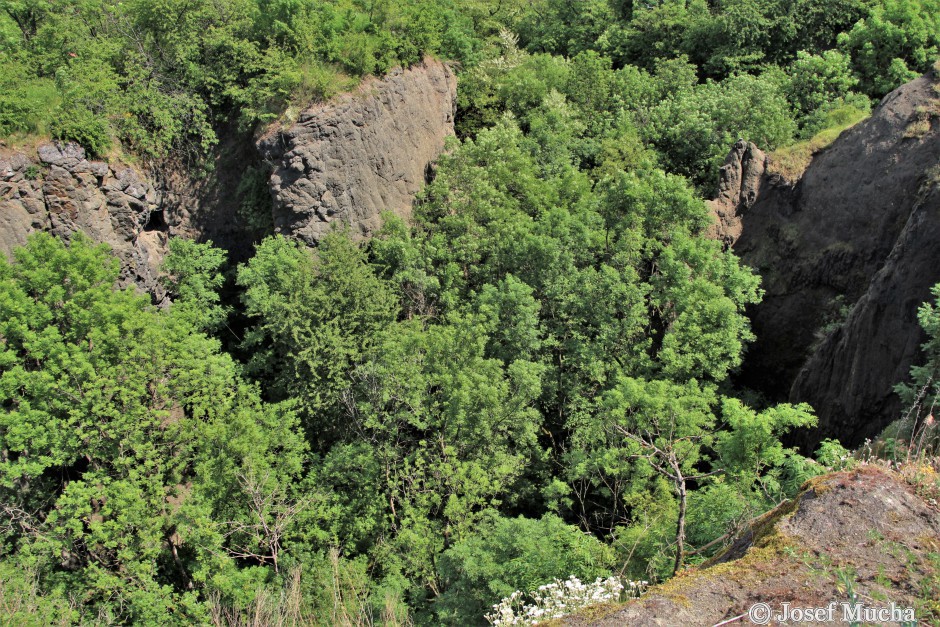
(680, 525)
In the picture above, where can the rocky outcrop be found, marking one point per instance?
(60, 191)
(739, 184)
(365, 152)
(846, 257)
(866, 528)
(344, 161)
(851, 373)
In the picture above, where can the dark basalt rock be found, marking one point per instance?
(847, 253)
(62, 192)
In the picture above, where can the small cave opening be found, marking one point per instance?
(156, 221)
(430, 173)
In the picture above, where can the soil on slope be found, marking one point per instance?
(866, 530)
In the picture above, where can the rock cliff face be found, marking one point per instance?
(847, 253)
(740, 181)
(60, 191)
(364, 153)
(347, 160)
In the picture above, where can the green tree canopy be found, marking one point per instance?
(128, 442)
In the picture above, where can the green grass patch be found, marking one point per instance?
(26, 105)
(791, 161)
(318, 82)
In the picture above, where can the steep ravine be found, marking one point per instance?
(847, 253)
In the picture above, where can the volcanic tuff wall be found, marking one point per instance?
(364, 153)
(346, 160)
(847, 253)
(60, 191)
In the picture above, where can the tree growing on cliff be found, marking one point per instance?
(668, 426)
(921, 396)
(677, 430)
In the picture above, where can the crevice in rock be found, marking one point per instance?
(850, 242)
(157, 222)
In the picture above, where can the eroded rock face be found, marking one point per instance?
(852, 371)
(847, 254)
(62, 192)
(348, 160)
(739, 185)
(364, 153)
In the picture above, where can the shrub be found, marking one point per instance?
(815, 80)
(922, 395)
(896, 42)
(695, 129)
(254, 210)
(25, 104)
(84, 127)
(510, 554)
(561, 598)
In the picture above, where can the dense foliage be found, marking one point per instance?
(161, 78)
(528, 382)
(132, 450)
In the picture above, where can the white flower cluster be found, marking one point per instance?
(560, 598)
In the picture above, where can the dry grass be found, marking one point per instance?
(923, 116)
(920, 124)
(319, 82)
(349, 604)
(933, 175)
(267, 609)
(919, 127)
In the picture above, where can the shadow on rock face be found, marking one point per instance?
(845, 257)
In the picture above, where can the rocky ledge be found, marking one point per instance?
(867, 531)
(847, 253)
